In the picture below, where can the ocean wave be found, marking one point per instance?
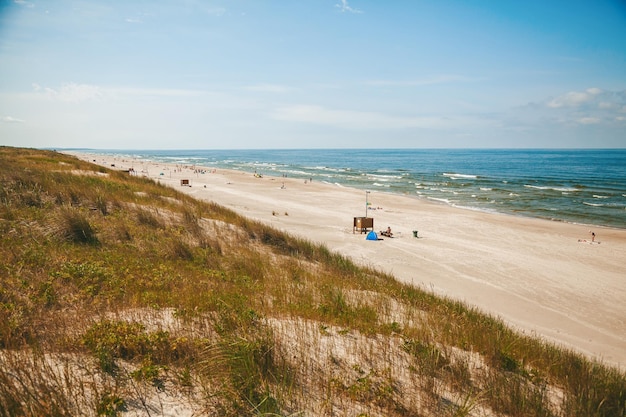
(325, 168)
(333, 183)
(376, 184)
(486, 189)
(610, 206)
(265, 164)
(385, 177)
(459, 176)
(441, 200)
(296, 172)
(545, 187)
(600, 196)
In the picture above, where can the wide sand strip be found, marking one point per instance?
(536, 275)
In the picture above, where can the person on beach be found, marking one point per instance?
(387, 232)
(593, 238)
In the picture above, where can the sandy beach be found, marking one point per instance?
(544, 278)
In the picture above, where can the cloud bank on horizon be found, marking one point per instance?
(312, 74)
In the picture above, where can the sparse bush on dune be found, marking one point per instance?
(74, 226)
(118, 294)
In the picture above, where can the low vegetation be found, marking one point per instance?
(120, 296)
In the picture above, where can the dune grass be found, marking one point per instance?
(118, 294)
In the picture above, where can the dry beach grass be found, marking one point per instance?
(120, 294)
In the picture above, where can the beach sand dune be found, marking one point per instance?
(534, 274)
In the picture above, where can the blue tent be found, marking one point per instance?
(371, 236)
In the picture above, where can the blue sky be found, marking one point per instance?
(230, 74)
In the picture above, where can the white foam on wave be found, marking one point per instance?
(486, 189)
(600, 196)
(459, 176)
(323, 168)
(593, 204)
(442, 200)
(562, 189)
(332, 183)
(385, 177)
(376, 184)
(291, 171)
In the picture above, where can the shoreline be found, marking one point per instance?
(537, 275)
(480, 186)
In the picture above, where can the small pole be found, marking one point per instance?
(366, 202)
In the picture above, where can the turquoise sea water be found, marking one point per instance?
(578, 186)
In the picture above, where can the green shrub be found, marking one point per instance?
(110, 405)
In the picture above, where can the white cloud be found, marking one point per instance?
(24, 3)
(592, 106)
(71, 92)
(344, 7)
(78, 93)
(575, 98)
(10, 119)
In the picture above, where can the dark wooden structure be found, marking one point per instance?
(362, 224)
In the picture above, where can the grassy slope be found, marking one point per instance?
(119, 294)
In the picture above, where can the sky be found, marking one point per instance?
(280, 74)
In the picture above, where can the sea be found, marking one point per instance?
(582, 186)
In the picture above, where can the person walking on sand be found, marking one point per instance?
(593, 236)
